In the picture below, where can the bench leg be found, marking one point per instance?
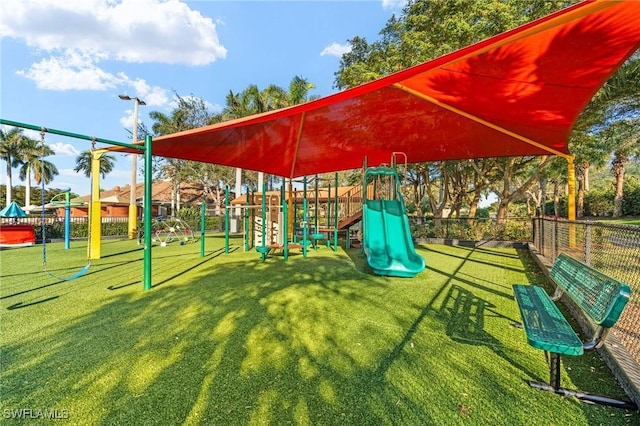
(554, 369)
(554, 386)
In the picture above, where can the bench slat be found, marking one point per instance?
(600, 296)
(545, 326)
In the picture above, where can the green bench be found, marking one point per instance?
(599, 296)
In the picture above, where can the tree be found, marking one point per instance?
(606, 126)
(191, 112)
(83, 163)
(9, 151)
(625, 136)
(423, 31)
(252, 100)
(31, 156)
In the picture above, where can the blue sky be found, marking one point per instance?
(64, 63)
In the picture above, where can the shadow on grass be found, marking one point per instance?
(239, 341)
(21, 305)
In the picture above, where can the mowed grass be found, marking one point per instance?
(226, 339)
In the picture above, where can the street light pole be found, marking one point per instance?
(133, 209)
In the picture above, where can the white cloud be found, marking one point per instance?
(152, 95)
(75, 38)
(393, 4)
(335, 49)
(65, 149)
(73, 70)
(69, 172)
(128, 30)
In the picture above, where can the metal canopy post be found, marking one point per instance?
(147, 212)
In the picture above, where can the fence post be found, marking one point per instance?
(554, 239)
(587, 245)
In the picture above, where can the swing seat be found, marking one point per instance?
(263, 249)
(78, 274)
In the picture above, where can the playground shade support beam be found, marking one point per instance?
(148, 163)
(203, 213)
(226, 219)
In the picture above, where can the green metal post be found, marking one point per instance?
(329, 208)
(226, 219)
(365, 195)
(315, 217)
(305, 217)
(295, 216)
(247, 226)
(335, 213)
(264, 221)
(148, 175)
(305, 228)
(203, 217)
(285, 238)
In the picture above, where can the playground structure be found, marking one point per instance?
(385, 231)
(13, 234)
(414, 111)
(168, 230)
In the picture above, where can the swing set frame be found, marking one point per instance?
(95, 220)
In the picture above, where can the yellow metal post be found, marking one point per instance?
(571, 200)
(571, 183)
(95, 217)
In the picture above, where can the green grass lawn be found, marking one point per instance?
(226, 339)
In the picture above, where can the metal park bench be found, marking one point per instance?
(599, 296)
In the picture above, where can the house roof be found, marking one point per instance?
(160, 193)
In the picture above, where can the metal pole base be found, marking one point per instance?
(586, 397)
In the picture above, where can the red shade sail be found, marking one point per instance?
(518, 93)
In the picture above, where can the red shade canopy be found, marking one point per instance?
(518, 93)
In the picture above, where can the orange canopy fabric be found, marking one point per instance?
(518, 93)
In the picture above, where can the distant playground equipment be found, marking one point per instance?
(14, 234)
(67, 213)
(281, 221)
(168, 230)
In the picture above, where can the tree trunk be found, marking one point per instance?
(178, 198)
(503, 209)
(511, 167)
(27, 188)
(543, 197)
(8, 200)
(580, 195)
(473, 206)
(585, 172)
(556, 198)
(173, 199)
(618, 173)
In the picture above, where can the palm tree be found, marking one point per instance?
(30, 154)
(83, 163)
(43, 169)
(254, 101)
(9, 145)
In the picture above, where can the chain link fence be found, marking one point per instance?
(613, 249)
(511, 229)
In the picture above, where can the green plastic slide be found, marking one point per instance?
(387, 240)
